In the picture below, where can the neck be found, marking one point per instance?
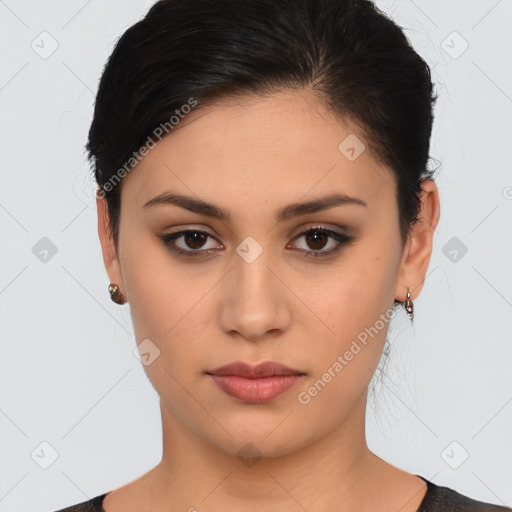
(203, 475)
(336, 471)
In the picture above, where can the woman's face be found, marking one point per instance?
(258, 293)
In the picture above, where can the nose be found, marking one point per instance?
(254, 302)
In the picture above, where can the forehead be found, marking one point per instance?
(259, 148)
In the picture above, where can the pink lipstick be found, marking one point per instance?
(255, 384)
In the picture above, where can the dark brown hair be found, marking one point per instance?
(354, 57)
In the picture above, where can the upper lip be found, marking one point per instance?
(266, 369)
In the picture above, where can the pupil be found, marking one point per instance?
(316, 235)
(196, 237)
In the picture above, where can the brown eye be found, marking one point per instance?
(195, 239)
(317, 239)
(189, 243)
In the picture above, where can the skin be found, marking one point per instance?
(252, 156)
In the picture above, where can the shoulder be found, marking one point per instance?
(92, 505)
(444, 499)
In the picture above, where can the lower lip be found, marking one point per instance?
(256, 391)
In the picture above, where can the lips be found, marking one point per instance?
(255, 384)
(266, 369)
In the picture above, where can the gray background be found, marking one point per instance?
(77, 414)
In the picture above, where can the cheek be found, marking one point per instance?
(346, 360)
(156, 288)
(164, 312)
(167, 306)
(355, 304)
(170, 315)
(354, 296)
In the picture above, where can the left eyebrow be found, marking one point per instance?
(283, 214)
(316, 205)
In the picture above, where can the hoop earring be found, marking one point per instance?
(115, 294)
(409, 306)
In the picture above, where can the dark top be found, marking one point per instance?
(436, 499)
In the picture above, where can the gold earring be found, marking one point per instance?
(409, 307)
(115, 294)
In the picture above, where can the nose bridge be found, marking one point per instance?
(257, 302)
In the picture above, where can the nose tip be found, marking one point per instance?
(255, 307)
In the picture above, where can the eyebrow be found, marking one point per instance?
(283, 214)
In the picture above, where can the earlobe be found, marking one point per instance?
(110, 256)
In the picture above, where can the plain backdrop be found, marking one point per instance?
(78, 417)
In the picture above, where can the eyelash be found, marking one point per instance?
(340, 239)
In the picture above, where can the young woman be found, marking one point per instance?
(263, 203)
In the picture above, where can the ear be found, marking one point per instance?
(418, 249)
(110, 257)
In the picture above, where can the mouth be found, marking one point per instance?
(255, 384)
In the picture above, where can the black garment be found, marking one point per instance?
(436, 499)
